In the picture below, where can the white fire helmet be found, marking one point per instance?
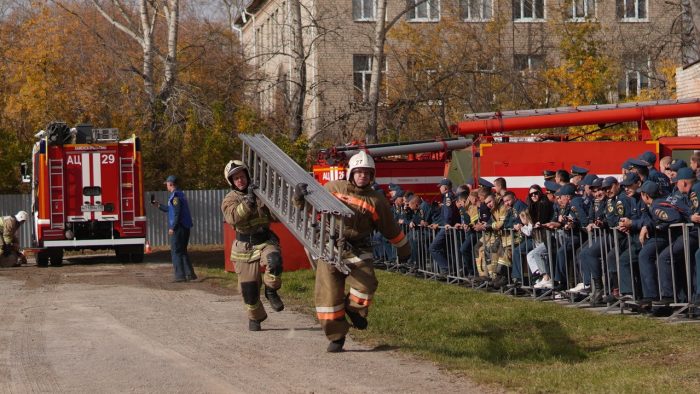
(233, 167)
(360, 160)
(22, 216)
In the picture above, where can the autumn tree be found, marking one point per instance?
(586, 71)
(64, 63)
(140, 20)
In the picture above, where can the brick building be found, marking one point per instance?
(338, 38)
(688, 86)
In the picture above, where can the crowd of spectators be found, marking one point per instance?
(559, 239)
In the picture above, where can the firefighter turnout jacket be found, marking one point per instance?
(247, 222)
(8, 227)
(372, 212)
(255, 246)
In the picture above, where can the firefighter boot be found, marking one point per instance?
(336, 346)
(501, 277)
(274, 299)
(596, 291)
(358, 321)
(254, 325)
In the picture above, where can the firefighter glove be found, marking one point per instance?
(300, 192)
(249, 200)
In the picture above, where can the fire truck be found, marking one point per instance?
(418, 165)
(87, 193)
(522, 159)
(496, 145)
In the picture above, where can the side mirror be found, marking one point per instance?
(24, 172)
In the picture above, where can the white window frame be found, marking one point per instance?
(638, 74)
(533, 18)
(586, 8)
(428, 5)
(530, 68)
(635, 18)
(361, 5)
(366, 76)
(480, 18)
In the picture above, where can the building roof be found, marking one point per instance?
(251, 7)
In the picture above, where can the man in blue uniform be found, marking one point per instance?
(512, 236)
(570, 217)
(551, 188)
(179, 225)
(577, 174)
(548, 175)
(680, 199)
(618, 205)
(585, 191)
(421, 217)
(449, 216)
(655, 176)
(630, 225)
(653, 236)
(673, 168)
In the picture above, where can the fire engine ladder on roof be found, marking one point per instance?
(56, 193)
(126, 190)
(318, 224)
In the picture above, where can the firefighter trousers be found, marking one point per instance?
(331, 299)
(250, 278)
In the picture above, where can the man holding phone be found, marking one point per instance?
(179, 225)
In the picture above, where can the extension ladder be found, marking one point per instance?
(318, 224)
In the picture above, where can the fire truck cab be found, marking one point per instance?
(87, 193)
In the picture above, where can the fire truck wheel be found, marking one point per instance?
(121, 256)
(136, 257)
(56, 257)
(42, 259)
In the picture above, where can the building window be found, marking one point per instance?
(525, 63)
(427, 11)
(364, 10)
(636, 76)
(528, 10)
(476, 10)
(362, 75)
(581, 10)
(632, 10)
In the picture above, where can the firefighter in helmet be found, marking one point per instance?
(371, 212)
(255, 244)
(9, 227)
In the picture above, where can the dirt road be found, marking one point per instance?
(96, 328)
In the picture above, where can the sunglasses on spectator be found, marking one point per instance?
(532, 194)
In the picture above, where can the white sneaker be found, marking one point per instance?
(545, 284)
(579, 287)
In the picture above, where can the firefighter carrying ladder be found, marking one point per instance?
(319, 223)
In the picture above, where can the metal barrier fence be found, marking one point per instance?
(601, 267)
(205, 206)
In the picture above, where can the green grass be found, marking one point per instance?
(519, 344)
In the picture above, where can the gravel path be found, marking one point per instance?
(91, 327)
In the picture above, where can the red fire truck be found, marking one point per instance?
(493, 151)
(417, 166)
(522, 159)
(87, 193)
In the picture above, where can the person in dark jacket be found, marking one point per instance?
(179, 225)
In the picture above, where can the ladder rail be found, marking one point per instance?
(126, 173)
(318, 223)
(57, 216)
